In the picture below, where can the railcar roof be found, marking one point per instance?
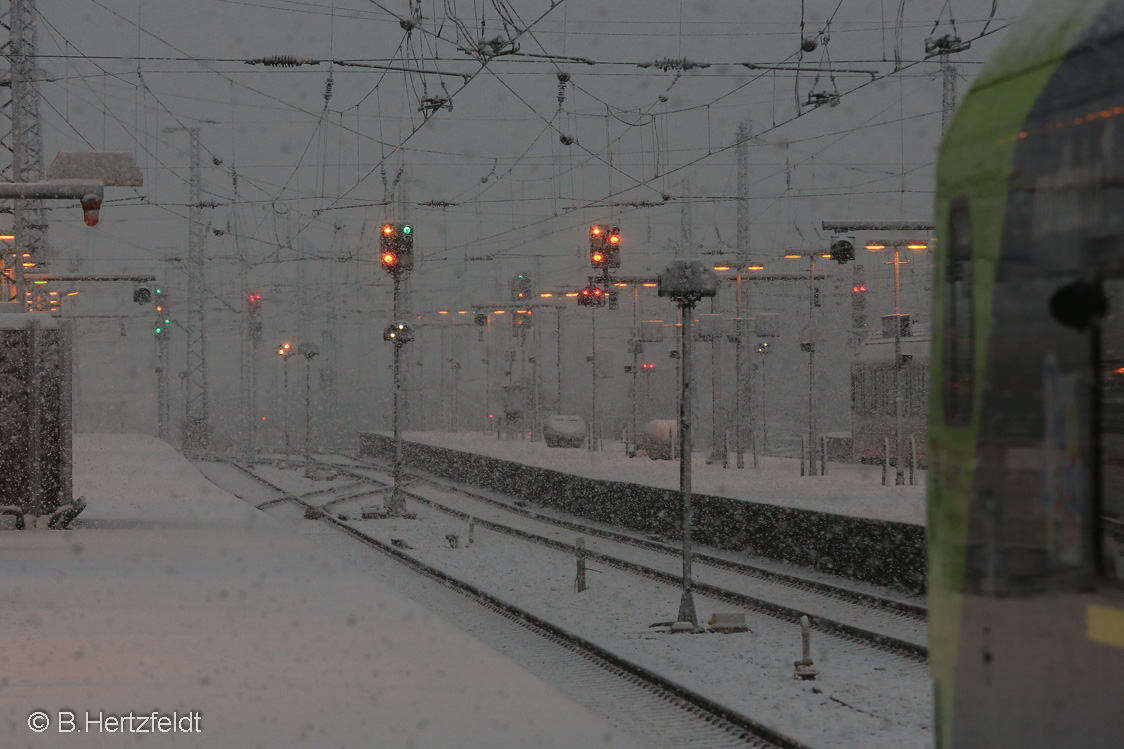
(1049, 31)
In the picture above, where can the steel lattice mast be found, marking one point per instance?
(25, 138)
(197, 431)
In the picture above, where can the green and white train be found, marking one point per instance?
(1026, 437)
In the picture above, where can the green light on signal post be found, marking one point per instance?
(406, 229)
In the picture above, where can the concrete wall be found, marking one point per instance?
(875, 551)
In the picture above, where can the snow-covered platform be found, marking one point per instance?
(176, 598)
(849, 489)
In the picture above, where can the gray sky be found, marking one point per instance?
(497, 153)
(647, 141)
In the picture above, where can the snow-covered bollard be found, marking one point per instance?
(453, 539)
(579, 581)
(804, 667)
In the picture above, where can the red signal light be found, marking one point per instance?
(388, 229)
(614, 238)
(389, 258)
(597, 257)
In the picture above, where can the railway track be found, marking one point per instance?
(915, 611)
(678, 715)
(901, 625)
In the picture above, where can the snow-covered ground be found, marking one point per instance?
(847, 489)
(862, 699)
(174, 596)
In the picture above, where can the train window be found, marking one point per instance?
(1110, 514)
(957, 350)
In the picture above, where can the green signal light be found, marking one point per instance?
(406, 229)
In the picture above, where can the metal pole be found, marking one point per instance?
(948, 90)
(285, 405)
(764, 416)
(739, 390)
(742, 240)
(395, 503)
(307, 415)
(253, 374)
(633, 394)
(717, 413)
(811, 411)
(811, 367)
(899, 468)
(456, 394)
(593, 390)
(536, 383)
(488, 420)
(34, 505)
(687, 602)
(162, 410)
(558, 364)
(66, 395)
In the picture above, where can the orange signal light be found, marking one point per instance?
(614, 239)
(597, 257)
(388, 229)
(595, 231)
(388, 258)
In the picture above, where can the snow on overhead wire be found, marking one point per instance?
(282, 61)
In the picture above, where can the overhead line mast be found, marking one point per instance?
(25, 139)
(197, 429)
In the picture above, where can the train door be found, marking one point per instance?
(1110, 368)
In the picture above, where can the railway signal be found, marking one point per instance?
(604, 246)
(521, 287)
(396, 247)
(254, 308)
(843, 249)
(398, 333)
(142, 294)
(163, 325)
(591, 296)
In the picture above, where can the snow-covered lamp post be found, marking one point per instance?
(308, 350)
(686, 281)
(285, 350)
